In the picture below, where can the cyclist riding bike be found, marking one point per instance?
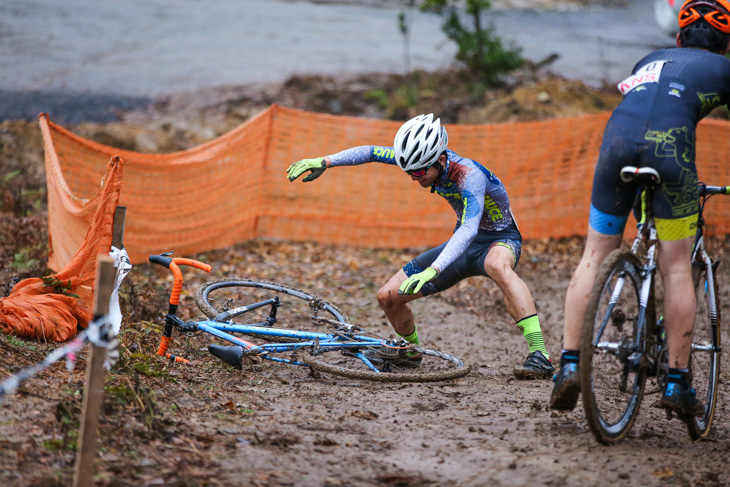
(667, 94)
(486, 240)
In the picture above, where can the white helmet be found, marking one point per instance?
(419, 142)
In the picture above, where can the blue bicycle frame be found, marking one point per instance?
(345, 338)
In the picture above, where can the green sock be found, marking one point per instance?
(530, 327)
(413, 337)
(413, 340)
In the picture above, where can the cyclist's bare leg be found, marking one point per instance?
(598, 246)
(679, 298)
(517, 297)
(396, 306)
(499, 265)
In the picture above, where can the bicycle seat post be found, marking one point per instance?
(647, 179)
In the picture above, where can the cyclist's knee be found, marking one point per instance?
(499, 269)
(387, 297)
(673, 256)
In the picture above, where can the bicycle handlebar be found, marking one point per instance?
(708, 190)
(173, 264)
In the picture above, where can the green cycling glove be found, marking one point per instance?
(317, 166)
(414, 283)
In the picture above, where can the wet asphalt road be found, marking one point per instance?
(56, 56)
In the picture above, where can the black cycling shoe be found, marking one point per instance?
(536, 366)
(232, 355)
(566, 389)
(680, 398)
(399, 358)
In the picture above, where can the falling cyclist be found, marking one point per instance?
(485, 242)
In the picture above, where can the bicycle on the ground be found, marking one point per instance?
(623, 339)
(312, 332)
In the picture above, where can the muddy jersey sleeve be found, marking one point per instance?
(472, 190)
(362, 155)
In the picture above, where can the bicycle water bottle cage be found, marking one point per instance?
(644, 176)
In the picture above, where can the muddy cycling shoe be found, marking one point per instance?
(232, 355)
(680, 398)
(566, 389)
(402, 358)
(536, 366)
(408, 361)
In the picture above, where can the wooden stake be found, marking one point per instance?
(86, 453)
(118, 230)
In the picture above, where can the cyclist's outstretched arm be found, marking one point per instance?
(350, 157)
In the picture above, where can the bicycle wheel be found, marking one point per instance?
(295, 312)
(705, 355)
(435, 366)
(611, 378)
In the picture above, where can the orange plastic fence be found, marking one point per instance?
(32, 309)
(234, 188)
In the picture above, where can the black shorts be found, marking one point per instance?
(470, 263)
(671, 152)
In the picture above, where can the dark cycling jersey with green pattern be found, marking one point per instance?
(477, 196)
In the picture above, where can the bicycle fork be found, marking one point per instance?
(709, 284)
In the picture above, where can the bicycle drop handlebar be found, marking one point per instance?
(173, 264)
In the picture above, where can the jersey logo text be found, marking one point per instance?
(649, 73)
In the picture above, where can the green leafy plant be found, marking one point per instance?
(11, 175)
(18, 342)
(404, 23)
(59, 286)
(479, 48)
(22, 260)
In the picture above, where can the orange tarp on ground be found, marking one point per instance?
(34, 310)
(234, 187)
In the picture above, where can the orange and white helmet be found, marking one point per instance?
(715, 12)
(419, 142)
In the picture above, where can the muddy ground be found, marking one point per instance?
(206, 424)
(272, 425)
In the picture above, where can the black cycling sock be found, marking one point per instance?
(678, 376)
(569, 357)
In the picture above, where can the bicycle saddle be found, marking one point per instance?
(644, 176)
(232, 355)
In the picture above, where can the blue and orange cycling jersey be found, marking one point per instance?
(477, 196)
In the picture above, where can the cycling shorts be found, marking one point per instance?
(671, 153)
(470, 263)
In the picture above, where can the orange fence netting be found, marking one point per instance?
(234, 188)
(46, 310)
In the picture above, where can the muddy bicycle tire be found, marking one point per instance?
(705, 355)
(610, 411)
(436, 366)
(295, 312)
